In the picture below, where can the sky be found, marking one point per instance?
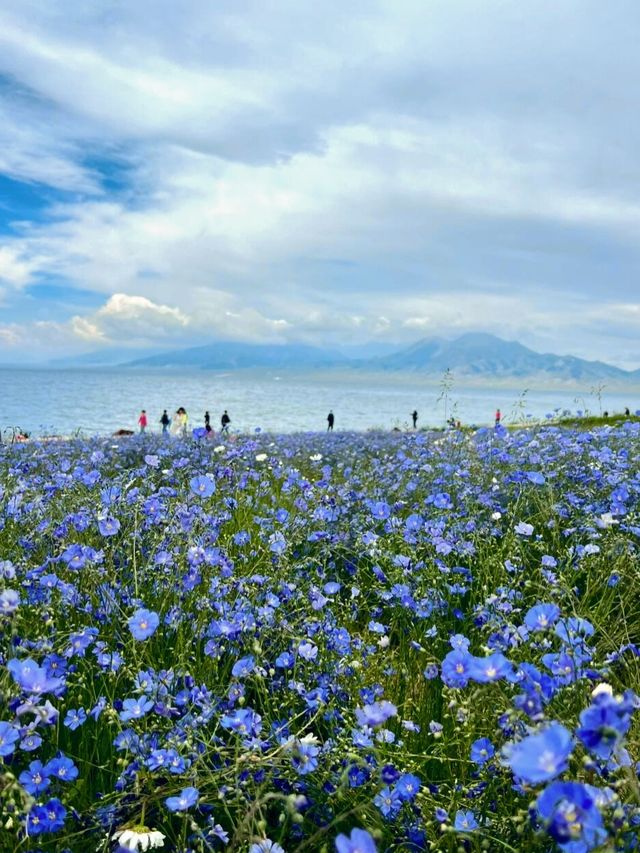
(330, 173)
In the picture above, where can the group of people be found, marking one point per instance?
(178, 425)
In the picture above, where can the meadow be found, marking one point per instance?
(350, 642)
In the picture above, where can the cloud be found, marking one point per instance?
(14, 270)
(370, 170)
(129, 318)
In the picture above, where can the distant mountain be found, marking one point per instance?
(234, 356)
(109, 357)
(474, 356)
(483, 355)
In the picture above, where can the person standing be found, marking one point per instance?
(225, 420)
(180, 421)
(165, 421)
(142, 421)
(207, 422)
(330, 421)
(498, 417)
(414, 416)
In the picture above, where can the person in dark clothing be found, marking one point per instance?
(225, 420)
(330, 421)
(207, 421)
(164, 420)
(414, 416)
(627, 412)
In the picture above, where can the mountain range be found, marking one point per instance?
(473, 356)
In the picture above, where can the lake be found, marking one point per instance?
(48, 401)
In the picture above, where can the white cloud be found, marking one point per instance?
(342, 172)
(14, 270)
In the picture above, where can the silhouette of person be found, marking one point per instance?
(498, 416)
(165, 421)
(330, 421)
(414, 416)
(225, 420)
(627, 412)
(207, 421)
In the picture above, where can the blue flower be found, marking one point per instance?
(186, 799)
(47, 818)
(266, 846)
(9, 601)
(108, 526)
(143, 623)
(604, 723)
(243, 667)
(33, 678)
(74, 718)
(481, 751)
(541, 616)
(492, 668)
(389, 802)
(540, 757)
(202, 486)
(376, 713)
(465, 821)
(35, 780)
(407, 787)
(571, 816)
(456, 668)
(360, 841)
(8, 738)
(134, 709)
(305, 757)
(62, 768)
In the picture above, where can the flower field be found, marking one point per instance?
(305, 643)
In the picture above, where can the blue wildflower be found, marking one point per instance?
(571, 816)
(541, 616)
(202, 486)
(186, 799)
(143, 623)
(360, 841)
(540, 757)
(481, 751)
(465, 821)
(8, 738)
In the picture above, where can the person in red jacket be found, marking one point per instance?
(142, 421)
(498, 416)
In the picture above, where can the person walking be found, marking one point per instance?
(330, 421)
(142, 421)
(207, 422)
(225, 420)
(498, 417)
(414, 417)
(165, 420)
(180, 421)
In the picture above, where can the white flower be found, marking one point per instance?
(496, 516)
(219, 449)
(383, 642)
(316, 457)
(310, 739)
(607, 520)
(601, 688)
(260, 457)
(139, 838)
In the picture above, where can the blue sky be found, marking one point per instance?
(372, 171)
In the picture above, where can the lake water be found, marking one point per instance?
(103, 400)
